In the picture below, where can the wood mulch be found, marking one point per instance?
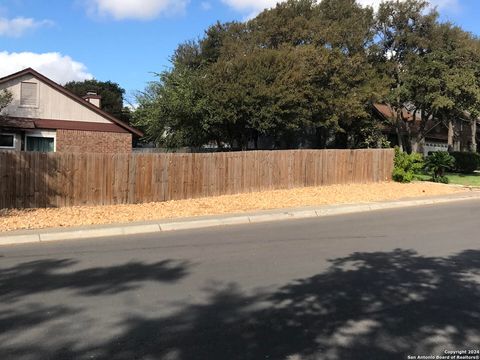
(325, 195)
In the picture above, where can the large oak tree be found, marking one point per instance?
(307, 73)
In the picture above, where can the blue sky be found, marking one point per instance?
(126, 40)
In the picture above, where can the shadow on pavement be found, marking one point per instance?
(382, 305)
(41, 276)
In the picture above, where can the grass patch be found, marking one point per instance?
(422, 177)
(455, 178)
(465, 179)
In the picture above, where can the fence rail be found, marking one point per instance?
(30, 180)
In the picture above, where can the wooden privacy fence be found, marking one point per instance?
(59, 179)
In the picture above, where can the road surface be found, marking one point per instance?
(377, 285)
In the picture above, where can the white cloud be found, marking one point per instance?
(58, 67)
(18, 26)
(205, 5)
(135, 9)
(251, 6)
(446, 4)
(440, 4)
(373, 3)
(256, 6)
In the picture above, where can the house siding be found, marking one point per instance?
(51, 105)
(76, 141)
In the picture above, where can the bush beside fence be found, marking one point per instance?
(30, 180)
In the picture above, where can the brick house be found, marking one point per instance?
(44, 116)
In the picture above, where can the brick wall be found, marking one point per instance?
(78, 141)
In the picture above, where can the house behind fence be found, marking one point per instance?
(34, 179)
(45, 116)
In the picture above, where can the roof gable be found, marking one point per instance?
(73, 97)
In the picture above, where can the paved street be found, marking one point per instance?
(377, 285)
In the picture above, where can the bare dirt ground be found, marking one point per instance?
(326, 195)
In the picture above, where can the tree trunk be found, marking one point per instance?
(322, 135)
(398, 129)
(410, 140)
(399, 136)
(450, 134)
(421, 132)
(399, 104)
(341, 140)
(244, 142)
(415, 144)
(473, 146)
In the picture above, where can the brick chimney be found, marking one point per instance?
(93, 98)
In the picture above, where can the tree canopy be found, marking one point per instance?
(5, 99)
(307, 72)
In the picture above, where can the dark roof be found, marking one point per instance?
(388, 113)
(73, 97)
(34, 123)
(16, 123)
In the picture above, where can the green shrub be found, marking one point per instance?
(437, 163)
(400, 175)
(406, 166)
(466, 162)
(442, 179)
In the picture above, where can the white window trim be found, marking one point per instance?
(38, 95)
(14, 142)
(42, 134)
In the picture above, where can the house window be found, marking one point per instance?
(40, 140)
(28, 94)
(43, 144)
(7, 141)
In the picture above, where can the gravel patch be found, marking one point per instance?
(310, 196)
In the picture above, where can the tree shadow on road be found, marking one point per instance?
(382, 305)
(25, 317)
(38, 277)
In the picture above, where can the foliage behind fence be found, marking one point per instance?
(61, 179)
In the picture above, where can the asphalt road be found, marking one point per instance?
(377, 285)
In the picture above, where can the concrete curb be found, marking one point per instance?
(49, 235)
